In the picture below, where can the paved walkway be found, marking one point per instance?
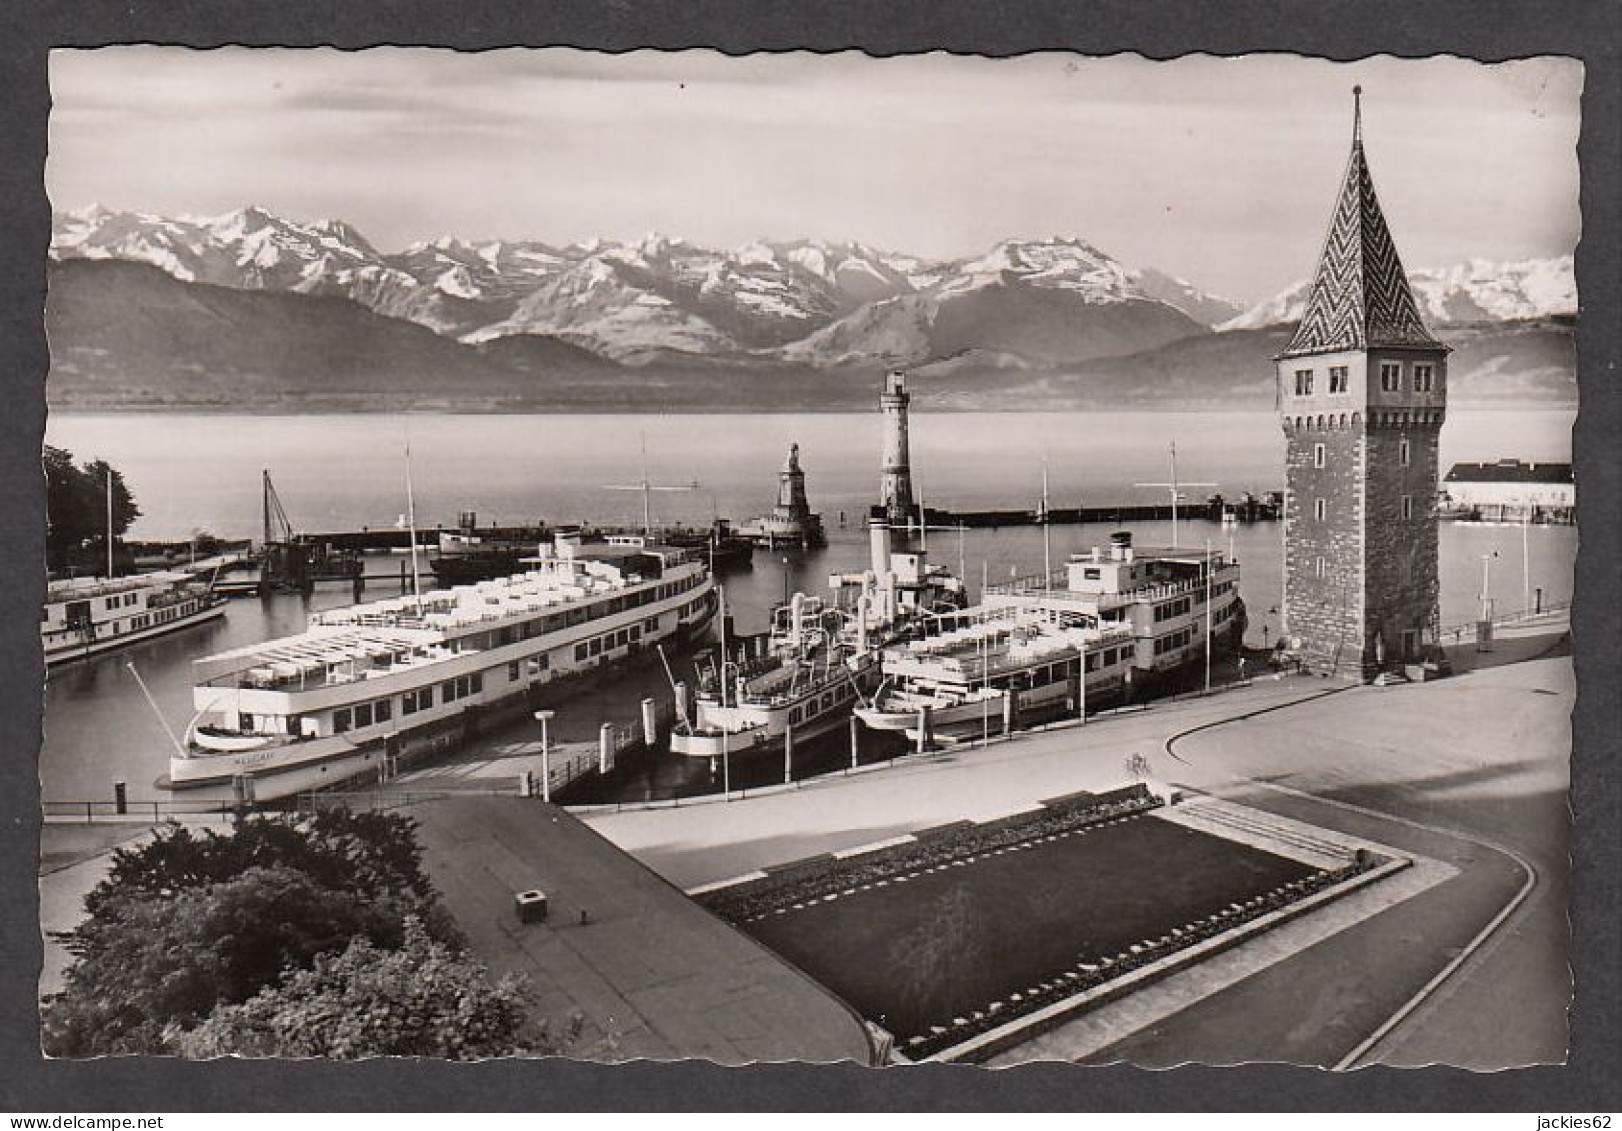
(649, 972)
(699, 844)
(1448, 770)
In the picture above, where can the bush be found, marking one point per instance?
(195, 922)
(419, 999)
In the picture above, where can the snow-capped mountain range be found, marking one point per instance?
(807, 303)
(1477, 291)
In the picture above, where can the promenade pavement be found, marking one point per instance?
(1470, 771)
(647, 972)
(700, 843)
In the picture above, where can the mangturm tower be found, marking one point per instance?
(895, 489)
(1362, 389)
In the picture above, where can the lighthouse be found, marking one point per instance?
(895, 488)
(1362, 392)
(791, 485)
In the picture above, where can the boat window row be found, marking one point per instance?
(1175, 608)
(162, 616)
(120, 601)
(597, 645)
(814, 707)
(362, 715)
(1174, 640)
(536, 665)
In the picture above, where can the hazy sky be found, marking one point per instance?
(1222, 171)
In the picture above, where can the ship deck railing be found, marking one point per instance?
(1034, 589)
(326, 659)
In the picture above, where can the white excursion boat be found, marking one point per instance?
(818, 661)
(1136, 616)
(362, 680)
(964, 668)
(88, 616)
(804, 677)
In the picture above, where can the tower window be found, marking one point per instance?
(1391, 376)
(1407, 506)
(1317, 455)
(1402, 453)
(1303, 382)
(1424, 378)
(1319, 509)
(1339, 380)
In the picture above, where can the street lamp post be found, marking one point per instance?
(543, 717)
(1486, 585)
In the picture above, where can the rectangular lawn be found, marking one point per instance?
(944, 943)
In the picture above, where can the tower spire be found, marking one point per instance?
(1360, 296)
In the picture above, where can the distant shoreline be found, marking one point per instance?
(919, 407)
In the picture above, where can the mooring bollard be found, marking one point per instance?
(923, 729)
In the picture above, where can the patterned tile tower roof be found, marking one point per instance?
(1360, 296)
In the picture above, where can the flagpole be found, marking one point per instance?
(1208, 616)
(1047, 541)
(109, 522)
(411, 526)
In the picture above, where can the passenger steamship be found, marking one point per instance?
(820, 659)
(89, 616)
(365, 678)
(1134, 617)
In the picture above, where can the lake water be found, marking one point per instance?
(338, 472)
(202, 472)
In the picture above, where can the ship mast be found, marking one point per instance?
(1176, 491)
(1047, 539)
(411, 527)
(647, 490)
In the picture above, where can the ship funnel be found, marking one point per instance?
(879, 544)
(1120, 546)
(796, 607)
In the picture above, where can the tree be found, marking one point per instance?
(76, 507)
(147, 967)
(418, 999)
(196, 920)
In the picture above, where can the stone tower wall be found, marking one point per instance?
(1402, 567)
(1324, 610)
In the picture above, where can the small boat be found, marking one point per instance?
(366, 681)
(89, 616)
(727, 549)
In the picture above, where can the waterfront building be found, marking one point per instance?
(895, 488)
(791, 522)
(1512, 491)
(1362, 392)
